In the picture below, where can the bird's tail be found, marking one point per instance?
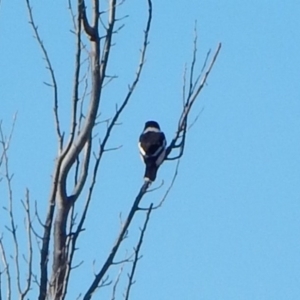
(150, 172)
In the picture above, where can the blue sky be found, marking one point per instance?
(230, 228)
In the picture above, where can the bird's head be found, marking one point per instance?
(151, 124)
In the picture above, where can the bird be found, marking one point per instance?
(152, 147)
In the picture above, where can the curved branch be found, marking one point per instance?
(73, 150)
(87, 27)
(74, 235)
(84, 171)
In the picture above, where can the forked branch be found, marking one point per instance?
(194, 90)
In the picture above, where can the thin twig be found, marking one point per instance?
(26, 206)
(73, 16)
(181, 130)
(6, 270)
(170, 186)
(136, 253)
(13, 227)
(114, 290)
(191, 83)
(51, 71)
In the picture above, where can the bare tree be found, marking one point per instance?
(78, 154)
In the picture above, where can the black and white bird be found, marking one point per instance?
(152, 146)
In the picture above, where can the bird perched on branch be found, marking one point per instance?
(152, 146)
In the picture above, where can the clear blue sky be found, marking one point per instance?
(230, 228)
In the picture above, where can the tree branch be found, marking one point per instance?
(100, 275)
(51, 205)
(136, 253)
(6, 270)
(12, 227)
(137, 77)
(194, 91)
(84, 170)
(51, 71)
(76, 80)
(26, 206)
(89, 30)
(114, 290)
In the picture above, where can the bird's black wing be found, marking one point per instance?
(151, 142)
